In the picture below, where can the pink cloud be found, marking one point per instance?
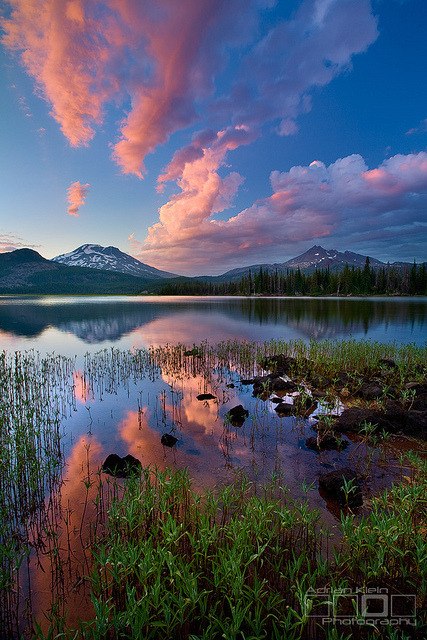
(76, 195)
(164, 57)
(307, 202)
(10, 242)
(65, 51)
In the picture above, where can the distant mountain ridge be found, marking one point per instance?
(94, 256)
(314, 258)
(317, 256)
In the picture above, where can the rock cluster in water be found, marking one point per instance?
(119, 467)
(397, 410)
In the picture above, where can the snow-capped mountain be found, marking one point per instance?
(316, 257)
(319, 257)
(109, 259)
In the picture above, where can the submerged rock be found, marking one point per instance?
(237, 415)
(356, 418)
(328, 442)
(168, 440)
(206, 396)
(284, 409)
(119, 467)
(334, 484)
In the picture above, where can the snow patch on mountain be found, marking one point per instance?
(94, 256)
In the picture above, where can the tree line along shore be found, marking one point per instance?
(350, 281)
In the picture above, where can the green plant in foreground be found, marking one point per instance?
(235, 565)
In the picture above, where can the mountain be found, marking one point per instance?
(321, 258)
(316, 257)
(93, 256)
(25, 271)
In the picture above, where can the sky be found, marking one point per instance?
(203, 135)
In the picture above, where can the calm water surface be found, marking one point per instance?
(115, 411)
(74, 325)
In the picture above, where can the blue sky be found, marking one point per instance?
(205, 135)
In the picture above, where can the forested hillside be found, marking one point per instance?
(350, 281)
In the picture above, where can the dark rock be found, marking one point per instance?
(415, 422)
(250, 381)
(333, 483)
(121, 467)
(320, 381)
(262, 384)
(392, 391)
(283, 385)
(284, 409)
(417, 398)
(303, 402)
(237, 414)
(279, 362)
(387, 363)
(420, 402)
(355, 418)
(276, 400)
(342, 379)
(168, 440)
(370, 390)
(393, 411)
(316, 393)
(414, 386)
(328, 442)
(206, 396)
(230, 385)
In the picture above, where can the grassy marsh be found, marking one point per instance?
(163, 560)
(247, 562)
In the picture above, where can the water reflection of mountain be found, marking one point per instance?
(109, 320)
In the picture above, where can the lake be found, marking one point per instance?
(76, 324)
(113, 403)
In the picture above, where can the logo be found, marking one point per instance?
(374, 606)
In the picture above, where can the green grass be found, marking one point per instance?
(245, 561)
